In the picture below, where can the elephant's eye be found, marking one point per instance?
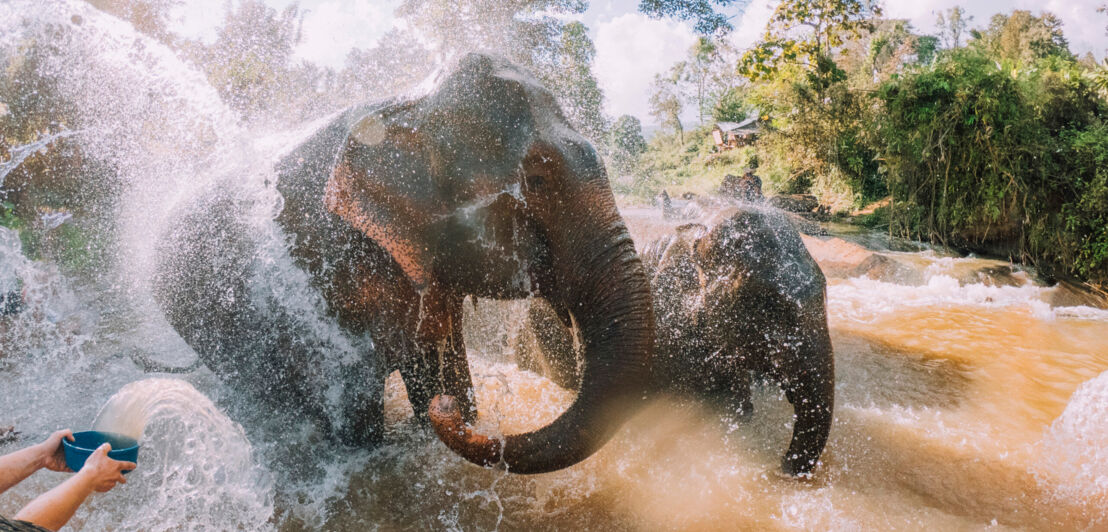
(535, 181)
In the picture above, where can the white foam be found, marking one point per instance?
(1074, 450)
(864, 299)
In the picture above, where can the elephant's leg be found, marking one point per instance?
(419, 375)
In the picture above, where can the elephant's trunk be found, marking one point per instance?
(812, 393)
(600, 279)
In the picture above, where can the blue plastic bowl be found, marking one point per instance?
(124, 448)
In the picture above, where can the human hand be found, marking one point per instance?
(52, 455)
(103, 473)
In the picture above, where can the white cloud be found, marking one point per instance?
(752, 26)
(332, 28)
(630, 50)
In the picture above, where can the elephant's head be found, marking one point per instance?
(482, 188)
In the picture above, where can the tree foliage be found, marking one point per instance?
(397, 62)
(828, 23)
(151, 17)
(572, 81)
(982, 158)
(250, 57)
(1021, 38)
(533, 33)
(626, 143)
(665, 101)
(952, 25)
(707, 74)
(707, 20)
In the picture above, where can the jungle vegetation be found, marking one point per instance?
(989, 136)
(990, 139)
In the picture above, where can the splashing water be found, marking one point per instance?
(1073, 457)
(188, 447)
(18, 154)
(963, 401)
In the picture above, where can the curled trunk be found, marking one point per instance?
(599, 278)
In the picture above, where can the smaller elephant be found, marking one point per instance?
(742, 298)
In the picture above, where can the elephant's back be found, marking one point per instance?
(227, 281)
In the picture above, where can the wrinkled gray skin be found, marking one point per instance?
(744, 298)
(397, 212)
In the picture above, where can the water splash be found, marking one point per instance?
(1074, 450)
(18, 154)
(195, 465)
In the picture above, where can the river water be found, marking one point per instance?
(968, 395)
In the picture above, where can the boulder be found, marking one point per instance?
(1070, 294)
(835, 256)
(795, 202)
(885, 268)
(747, 187)
(1002, 275)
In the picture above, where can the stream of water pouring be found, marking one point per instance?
(960, 404)
(188, 448)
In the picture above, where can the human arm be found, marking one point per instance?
(14, 467)
(54, 508)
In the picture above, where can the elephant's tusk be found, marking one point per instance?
(446, 418)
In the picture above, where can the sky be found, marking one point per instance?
(630, 47)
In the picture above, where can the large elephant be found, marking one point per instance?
(743, 297)
(396, 212)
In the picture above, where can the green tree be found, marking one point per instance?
(250, 58)
(1020, 38)
(665, 102)
(878, 54)
(707, 20)
(151, 17)
(526, 31)
(533, 33)
(707, 74)
(952, 26)
(828, 22)
(1097, 75)
(572, 81)
(397, 62)
(626, 143)
(999, 160)
(732, 106)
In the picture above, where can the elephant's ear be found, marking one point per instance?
(363, 195)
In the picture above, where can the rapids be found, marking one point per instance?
(969, 396)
